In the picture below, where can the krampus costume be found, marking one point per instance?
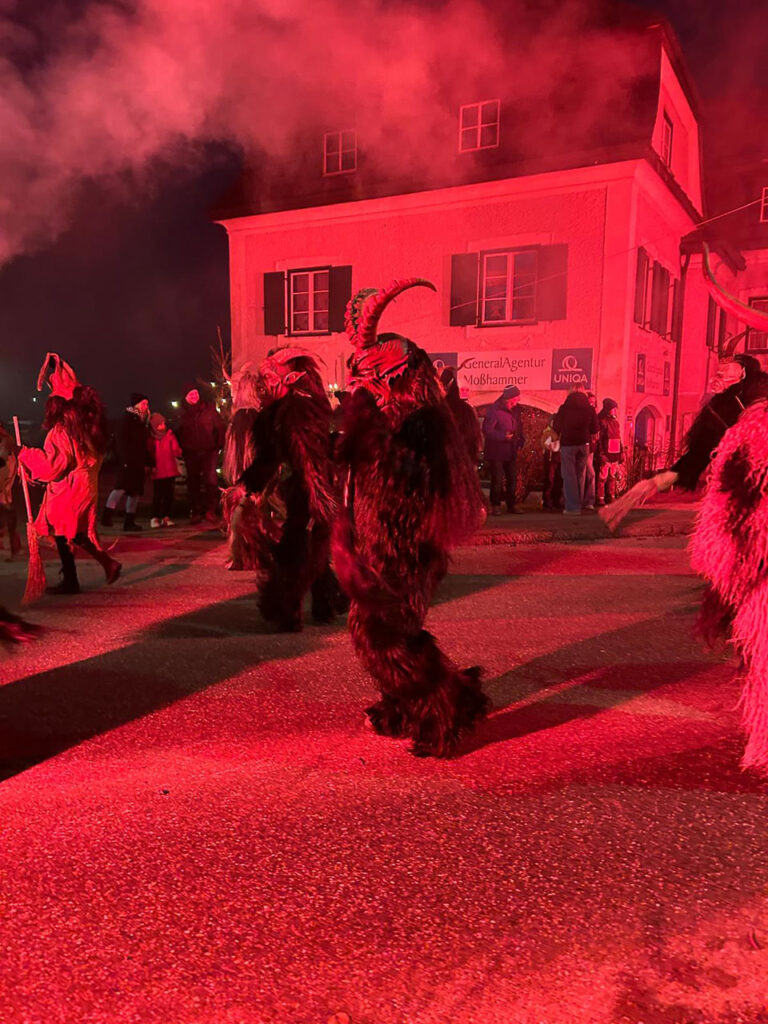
(69, 464)
(239, 509)
(291, 481)
(411, 493)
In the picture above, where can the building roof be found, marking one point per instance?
(576, 115)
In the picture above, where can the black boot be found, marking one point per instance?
(69, 582)
(107, 516)
(130, 525)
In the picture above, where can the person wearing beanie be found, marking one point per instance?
(503, 432)
(610, 451)
(576, 424)
(133, 458)
(164, 450)
(201, 436)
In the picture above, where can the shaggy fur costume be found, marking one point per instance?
(291, 483)
(730, 549)
(412, 493)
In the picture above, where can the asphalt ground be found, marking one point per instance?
(197, 828)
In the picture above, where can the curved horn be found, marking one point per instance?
(364, 311)
(44, 369)
(284, 355)
(754, 318)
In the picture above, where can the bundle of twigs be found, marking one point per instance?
(35, 570)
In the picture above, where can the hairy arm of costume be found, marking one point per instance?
(266, 458)
(53, 461)
(304, 427)
(704, 436)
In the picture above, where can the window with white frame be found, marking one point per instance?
(764, 206)
(508, 286)
(339, 152)
(757, 341)
(479, 126)
(667, 131)
(308, 294)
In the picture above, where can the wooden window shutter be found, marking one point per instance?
(711, 321)
(340, 293)
(464, 267)
(641, 285)
(659, 298)
(274, 303)
(721, 330)
(677, 313)
(552, 282)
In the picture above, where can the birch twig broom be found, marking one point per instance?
(35, 570)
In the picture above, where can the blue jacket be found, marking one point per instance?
(500, 421)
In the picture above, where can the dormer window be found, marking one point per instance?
(339, 152)
(764, 206)
(666, 138)
(479, 126)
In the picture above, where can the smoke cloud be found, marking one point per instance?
(113, 91)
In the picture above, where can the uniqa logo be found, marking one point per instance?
(570, 372)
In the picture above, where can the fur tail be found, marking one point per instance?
(750, 633)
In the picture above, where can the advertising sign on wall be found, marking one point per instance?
(529, 369)
(652, 375)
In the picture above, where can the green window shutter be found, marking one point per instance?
(641, 286)
(340, 294)
(274, 303)
(552, 283)
(711, 321)
(464, 289)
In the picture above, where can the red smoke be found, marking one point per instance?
(123, 88)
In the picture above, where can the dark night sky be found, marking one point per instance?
(132, 293)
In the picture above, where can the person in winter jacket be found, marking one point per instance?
(69, 465)
(133, 457)
(503, 431)
(576, 423)
(610, 451)
(201, 436)
(8, 467)
(164, 449)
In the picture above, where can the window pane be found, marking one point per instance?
(348, 161)
(489, 136)
(321, 321)
(332, 143)
(524, 307)
(320, 281)
(321, 301)
(300, 283)
(470, 116)
(494, 310)
(300, 322)
(495, 287)
(496, 265)
(490, 112)
(301, 302)
(347, 140)
(468, 139)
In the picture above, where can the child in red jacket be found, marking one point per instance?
(165, 449)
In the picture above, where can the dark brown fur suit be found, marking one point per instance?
(411, 494)
(291, 479)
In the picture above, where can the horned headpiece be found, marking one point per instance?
(289, 369)
(380, 356)
(61, 377)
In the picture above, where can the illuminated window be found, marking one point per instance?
(479, 126)
(339, 152)
(508, 292)
(666, 139)
(308, 294)
(764, 206)
(757, 341)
